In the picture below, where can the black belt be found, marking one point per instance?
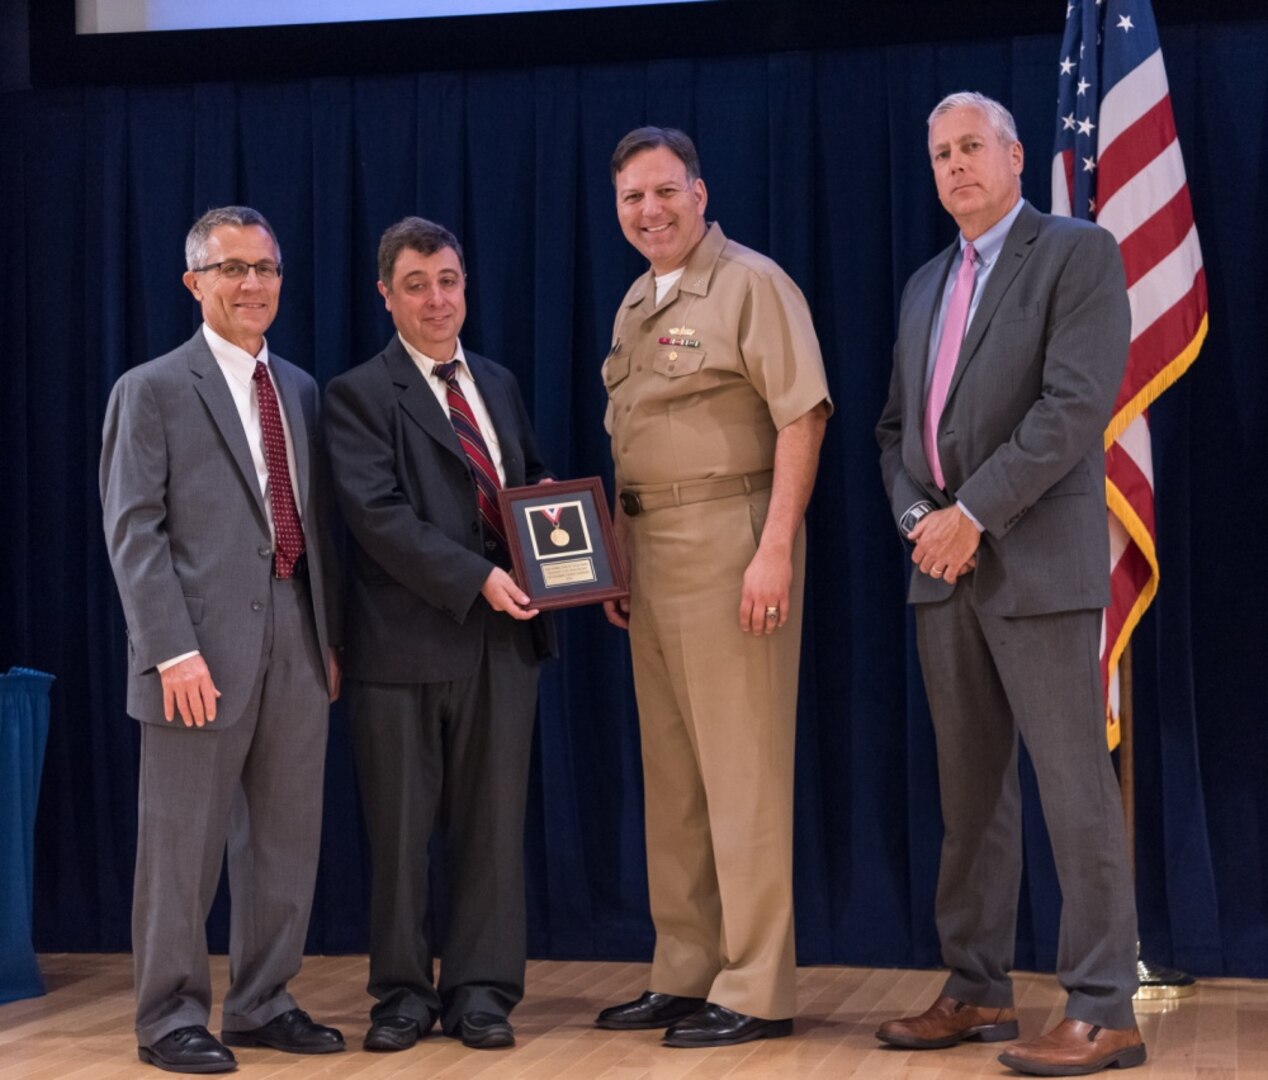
(635, 502)
(299, 570)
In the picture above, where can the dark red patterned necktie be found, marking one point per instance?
(288, 532)
(467, 429)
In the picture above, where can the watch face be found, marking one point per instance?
(910, 519)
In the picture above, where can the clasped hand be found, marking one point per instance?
(946, 543)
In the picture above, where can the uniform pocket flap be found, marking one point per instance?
(675, 363)
(616, 369)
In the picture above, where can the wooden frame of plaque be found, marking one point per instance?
(563, 545)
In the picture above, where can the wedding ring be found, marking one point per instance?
(938, 571)
(772, 613)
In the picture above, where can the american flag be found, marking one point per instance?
(1118, 163)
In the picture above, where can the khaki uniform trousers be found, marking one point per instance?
(717, 713)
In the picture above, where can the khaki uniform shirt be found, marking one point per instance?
(700, 385)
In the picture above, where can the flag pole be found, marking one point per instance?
(1127, 755)
(1156, 983)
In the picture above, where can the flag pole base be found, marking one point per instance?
(1162, 983)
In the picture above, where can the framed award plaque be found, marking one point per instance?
(562, 543)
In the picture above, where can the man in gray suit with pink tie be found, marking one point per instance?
(214, 498)
(1011, 347)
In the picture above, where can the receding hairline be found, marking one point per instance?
(998, 119)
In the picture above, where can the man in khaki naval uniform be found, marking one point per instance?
(717, 406)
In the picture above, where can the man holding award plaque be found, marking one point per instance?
(442, 648)
(717, 403)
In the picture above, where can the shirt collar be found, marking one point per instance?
(427, 365)
(697, 271)
(234, 359)
(991, 243)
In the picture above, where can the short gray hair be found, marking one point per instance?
(416, 234)
(196, 241)
(999, 118)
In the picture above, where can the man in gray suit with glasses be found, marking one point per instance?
(214, 497)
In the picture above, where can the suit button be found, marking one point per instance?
(257, 605)
(265, 551)
(490, 545)
(475, 526)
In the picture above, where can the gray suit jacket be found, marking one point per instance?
(1021, 436)
(404, 485)
(185, 522)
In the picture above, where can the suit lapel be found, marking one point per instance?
(293, 407)
(501, 413)
(417, 400)
(210, 385)
(1012, 257)
(926, 300)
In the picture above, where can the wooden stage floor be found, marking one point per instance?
(82, 1030)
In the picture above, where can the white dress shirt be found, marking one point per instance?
(470, 391)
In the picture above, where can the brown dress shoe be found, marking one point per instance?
(947, 1022)
(1075, 1048)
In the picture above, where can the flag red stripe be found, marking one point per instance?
(1127, 581)
(1162, 342)
(1132, 482)
(1157, 237)
(1142, 141)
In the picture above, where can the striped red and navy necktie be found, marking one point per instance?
(483, 472)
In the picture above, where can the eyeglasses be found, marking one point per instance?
(237, 270)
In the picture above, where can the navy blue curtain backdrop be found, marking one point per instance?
(817, 158)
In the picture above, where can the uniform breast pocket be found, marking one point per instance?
(677, 363)
(616, 369)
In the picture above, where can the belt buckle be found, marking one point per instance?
(630, 503)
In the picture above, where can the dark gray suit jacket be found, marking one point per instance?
(417, 560)
(1021, 436)
(186, 527)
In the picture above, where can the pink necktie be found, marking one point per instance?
(948, 353)
(288, 533)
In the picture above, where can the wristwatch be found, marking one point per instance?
(914, 513)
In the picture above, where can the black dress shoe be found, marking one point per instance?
(652, 1010)
(189, 1050)
(393, 1033)
(485, 1031)
(294, 1032)
(716, 1025)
